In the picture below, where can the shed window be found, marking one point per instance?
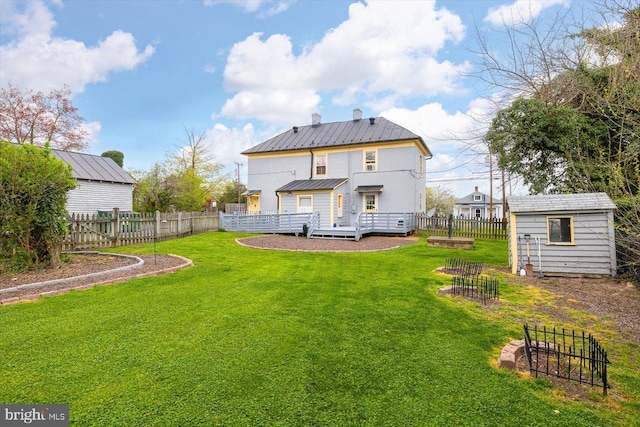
(560, 230)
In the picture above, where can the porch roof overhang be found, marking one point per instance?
(312, 184)
(251, 192)
(369, 188)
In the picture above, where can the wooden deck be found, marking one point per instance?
(394, 223)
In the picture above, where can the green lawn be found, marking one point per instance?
(254, 337)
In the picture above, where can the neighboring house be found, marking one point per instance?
(338, 170)
(102, 185)
(477, 205)
(575, 232)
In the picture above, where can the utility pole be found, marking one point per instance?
(238, 182)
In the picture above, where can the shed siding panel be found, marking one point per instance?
(91, 196)
(589, 255)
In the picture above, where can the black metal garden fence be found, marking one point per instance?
(462, 267)
(482, 288)
(567, 355)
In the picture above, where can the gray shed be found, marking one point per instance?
(102, 184)
(565, 234)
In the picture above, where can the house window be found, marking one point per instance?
(370, 161)
(478, 213)
(477, 197)
(560, 230)
(321, 164)
(305, 204)
(339, 201)
(370, 202)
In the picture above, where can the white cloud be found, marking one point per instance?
(226, 144)
(384, 49)
(520, 12)
(39, 61)
(93, 130)
(437, 127)
(251, 6)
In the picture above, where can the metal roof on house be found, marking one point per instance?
(312, 184)
(560, 202)
(337, 134)
(369, 188)
(94, 168)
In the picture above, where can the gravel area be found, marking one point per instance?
(299, 243)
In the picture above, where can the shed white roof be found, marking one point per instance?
(560, 202)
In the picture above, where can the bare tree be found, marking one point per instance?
(28, 117)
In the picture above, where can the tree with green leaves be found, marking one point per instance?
(185, 181)
(575, 123)
(33, 195)
(116, 156)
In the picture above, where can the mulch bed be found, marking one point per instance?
(81, 265)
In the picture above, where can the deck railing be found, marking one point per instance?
(384, 222)
(287, 223)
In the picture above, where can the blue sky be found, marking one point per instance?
(244, 70)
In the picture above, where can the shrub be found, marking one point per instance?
(33, 195)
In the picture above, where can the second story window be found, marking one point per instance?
(477, 198)
(321, 164)
(370, 160)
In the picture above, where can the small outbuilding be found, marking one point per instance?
(102, 185)
(560, 234)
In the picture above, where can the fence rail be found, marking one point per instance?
(567, 355)
(464, 227)
(268, 223)
(114, 229)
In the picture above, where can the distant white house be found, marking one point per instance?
(102, 185)
(477, 205)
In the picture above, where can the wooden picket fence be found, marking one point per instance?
(495, 228)
(114, 229)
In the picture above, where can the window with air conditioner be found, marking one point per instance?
(371, 160)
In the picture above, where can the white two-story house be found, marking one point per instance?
(338, 170)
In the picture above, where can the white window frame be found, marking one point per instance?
(365, 204)
(477, 198)
(369, 166)
(303, 209)
(317, 164)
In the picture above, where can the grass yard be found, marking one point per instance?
(253, 337)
